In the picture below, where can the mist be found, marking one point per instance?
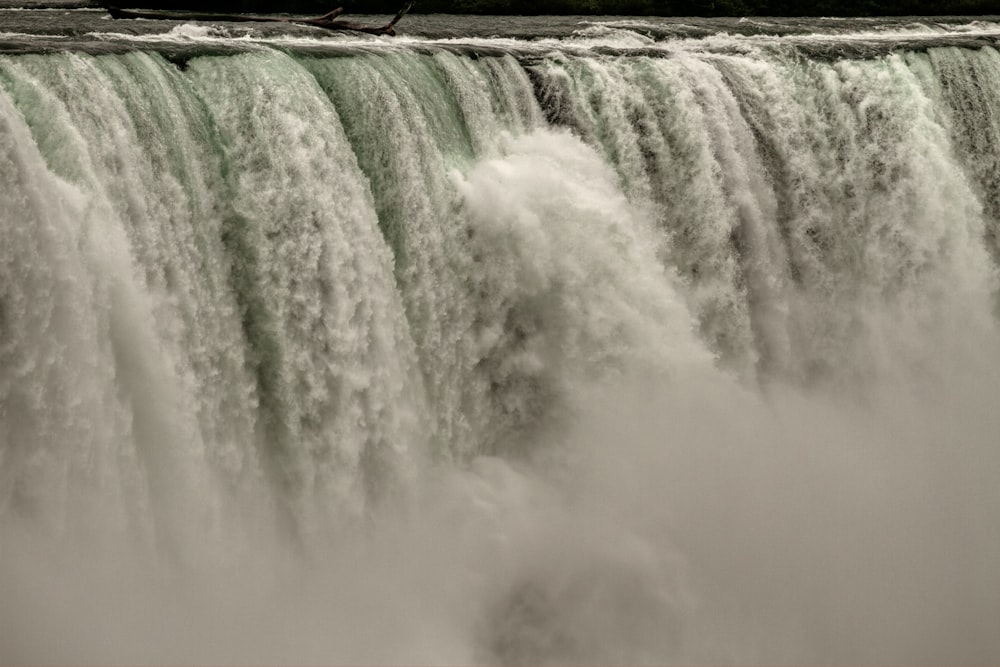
(694, 524)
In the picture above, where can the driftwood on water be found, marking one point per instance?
(327, 21)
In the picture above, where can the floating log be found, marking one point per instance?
(328, 21)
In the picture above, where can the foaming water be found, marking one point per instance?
(419, 357)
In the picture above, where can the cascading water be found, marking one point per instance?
(582, 350)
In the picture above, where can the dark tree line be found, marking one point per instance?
(607, 7)
(715, 7)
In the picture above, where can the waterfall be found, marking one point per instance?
(556, 356)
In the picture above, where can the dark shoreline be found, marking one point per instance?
(660, 8)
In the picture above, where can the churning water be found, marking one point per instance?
(615, 341)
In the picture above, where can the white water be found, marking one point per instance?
(423, 358)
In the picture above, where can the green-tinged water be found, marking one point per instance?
(597, 341)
